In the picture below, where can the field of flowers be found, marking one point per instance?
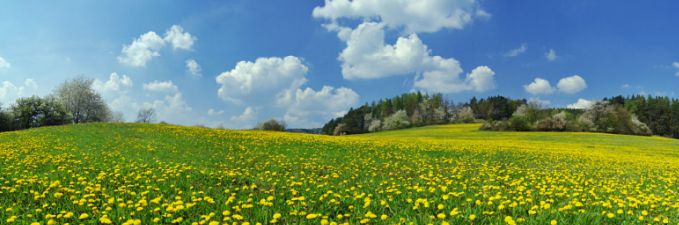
(453, 174)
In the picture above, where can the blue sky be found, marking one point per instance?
(308, 61)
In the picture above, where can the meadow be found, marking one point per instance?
(450, 174)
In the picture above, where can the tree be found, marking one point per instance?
(271, 125)
(397, 120)
(35, 112)
(146, 115)
(5, 120)
(84, 104)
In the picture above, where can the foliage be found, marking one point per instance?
(82, 101)
(603, 116)
(420, 110)
(398, 120)
(271, 125)
(36, 112)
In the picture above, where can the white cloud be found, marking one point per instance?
(567, 85)
(161, 86)
(551, 55)
(148, 46)
(262, 79)
(412, 16)
(4, 64)
(274, 85)
(9, 92)
(178, 38)
(310, 108)
(539, 86)
(368, 57)
(571, 85)
(517, 51)
(675, 64)
(246, 117)
(172, 107)
(113, 84)
(447, 80)
(193, 67)
(163, 96)
(141, 50)
(581, 104)
(214, 112)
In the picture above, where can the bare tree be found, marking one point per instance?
(83, 102)
(146, 115)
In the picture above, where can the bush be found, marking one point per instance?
(519, 123)
(271, 125)
(495, 125)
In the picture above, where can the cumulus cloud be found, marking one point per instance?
(141, 50)
(517, 51)
(193, 67)
(163, 96)
(581, 104)
(148, 46)
(539, 86)
(161, 86)
(411, 16)
(262, 79)
(551, 55)
(447, 80)
(567, 85)
(367, 56)
(171, 107)
(4, 64)
(113, 84)
(572, 84)
(178, 38)
(305, 106)
(276, 85)
(9, 92)
(675, 65)
(247, 116)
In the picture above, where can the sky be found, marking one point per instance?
(236, 63)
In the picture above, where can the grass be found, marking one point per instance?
(134, 173)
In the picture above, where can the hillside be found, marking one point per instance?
(116, 173)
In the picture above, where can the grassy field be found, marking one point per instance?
(452, 174)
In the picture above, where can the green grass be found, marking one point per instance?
(114, 171)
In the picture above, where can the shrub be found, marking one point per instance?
(271, 125)
(519, 123)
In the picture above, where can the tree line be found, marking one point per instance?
(418, 109)
(636, 114)
(72, 102)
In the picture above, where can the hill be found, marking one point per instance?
(117, 173)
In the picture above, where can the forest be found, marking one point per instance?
(636, 114)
